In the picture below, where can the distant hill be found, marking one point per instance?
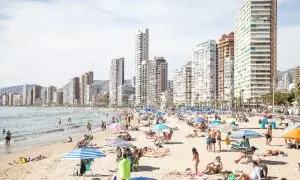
(290, 71)
(15, 89)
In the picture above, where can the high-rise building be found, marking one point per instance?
(66, 94)
(141, 66)
(44, 95)
(297, 76)
(10, 99)
(182, 81)
(50, 92)
(225, 57)
(25, 94)
(124, 93)
(17, 100)
(36, 96)
(286, 80)
(85, 79)
(91, 90)
(74, 91)
(5, 99)
(116, 80)
(204, 72)
(170, 84)
(255, 46)
(158, 79)
(58, 97)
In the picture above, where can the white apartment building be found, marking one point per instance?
(255, 45)
(116, 80)
(17, 100)
(228, 79)
(182, 83)
(286, 80)
(141, 66)
(25, 94)
(204, 72)
(66, 94)
(158, 79)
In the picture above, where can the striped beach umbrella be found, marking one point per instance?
(84, 153)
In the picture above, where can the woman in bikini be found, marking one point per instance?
(196, 159)
(215, 167)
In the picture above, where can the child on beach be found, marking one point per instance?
(227, 142)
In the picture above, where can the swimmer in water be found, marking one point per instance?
(59, 122)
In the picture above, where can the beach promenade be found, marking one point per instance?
(163, 168)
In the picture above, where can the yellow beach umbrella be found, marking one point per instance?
(292, 134)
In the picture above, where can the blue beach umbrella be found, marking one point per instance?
(199, 120)
(295, 126)
(84, 153)
(160, 127)
(119, 143)
(141, 178)
(246, 133)
(216, 121)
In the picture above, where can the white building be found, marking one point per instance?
(286, 81)
(255, 45)
(91, 90)
(182, 81)
(44, 96)
(25, 94)
(5, 100)
(57, 98)
(17, 100)
(66, 95)
(158, 79)
(228, 79)
(116, 80)
(141, 66)
(204, 72)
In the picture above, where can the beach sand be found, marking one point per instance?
(169, 167)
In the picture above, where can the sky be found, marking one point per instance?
(47, 42)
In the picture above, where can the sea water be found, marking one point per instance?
(37, 126)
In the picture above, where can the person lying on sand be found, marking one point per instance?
(214, 167)
(155, 152)
(275, 152)
(243, 155)
(193, 135)
(23, 160)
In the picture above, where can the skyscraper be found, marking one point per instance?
(74, 91)
(158, 79)
(25, 94)
(255, 46)
(141, 66)
(225, 54)
(116, 80)
(36, 94)
(183, 85)
(85, 79)
(204, 72)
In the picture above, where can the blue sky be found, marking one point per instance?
(50, 41)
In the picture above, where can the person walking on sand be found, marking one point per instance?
(196, 159)
(89, 127)
(102, 125)
(269, 135)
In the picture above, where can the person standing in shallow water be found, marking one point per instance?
(8, 138)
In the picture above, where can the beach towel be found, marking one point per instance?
(124, 168)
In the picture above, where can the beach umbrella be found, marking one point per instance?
(159, 114)
(295, 126)
(247, 133)
(142, 178)
(117, 126)
(160, 127)
(228, 128)
(199, 120)
(84, 153)
(119, 143)
(292, 134)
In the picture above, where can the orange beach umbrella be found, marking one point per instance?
(292, 134)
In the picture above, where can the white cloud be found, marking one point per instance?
(48, 42)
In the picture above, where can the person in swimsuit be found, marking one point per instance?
(215, 167)
(219, 139)
(8, 137)
(208, 140)
(196, 159)
(213, 139)
(269, 135)
(273, 152)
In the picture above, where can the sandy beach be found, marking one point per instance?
(168, 167)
